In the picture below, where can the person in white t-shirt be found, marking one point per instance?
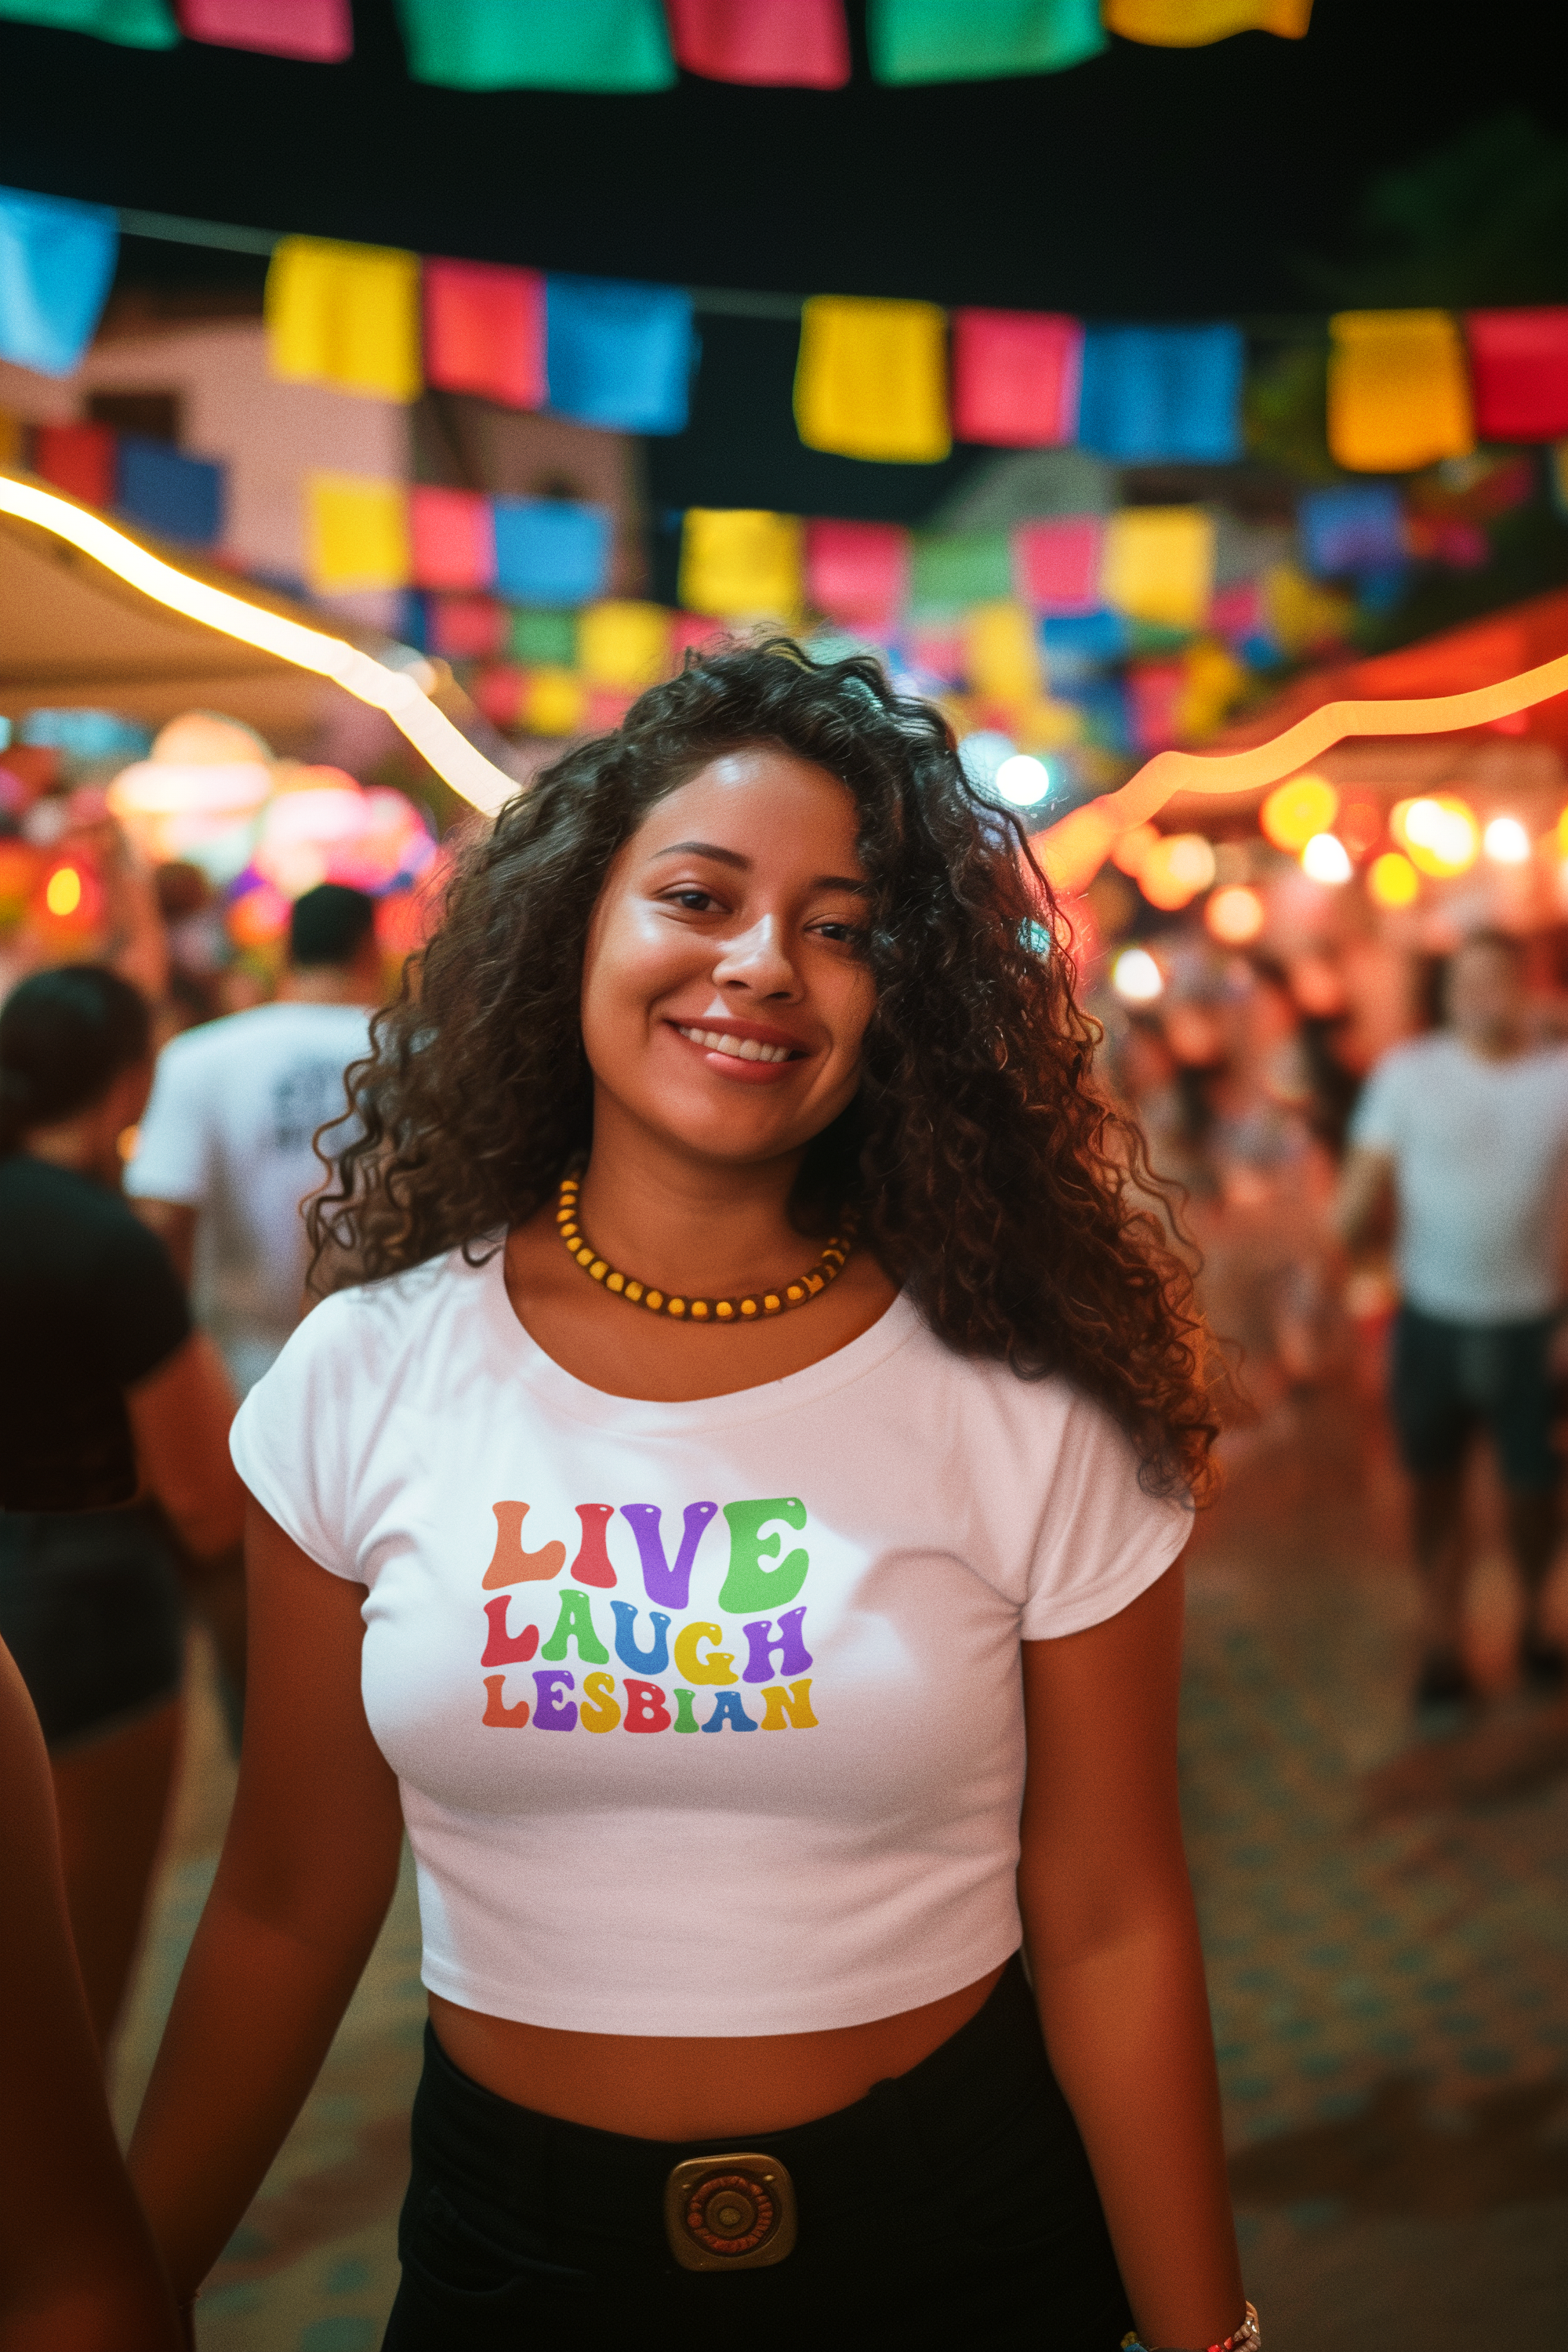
(1465, 1133)
(731, 1519)
(225, 1155)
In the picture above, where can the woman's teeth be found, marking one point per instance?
(745, 1049)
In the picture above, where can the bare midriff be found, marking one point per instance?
(680, 2087)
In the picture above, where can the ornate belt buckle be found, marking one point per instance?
(729, 2212)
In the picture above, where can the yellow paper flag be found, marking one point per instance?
(1158, 564)
(358, 533)
(1002, 654)
(871, 380)
(1193, 24)
(624, 645)
(1399, 397)
(345, 314)
(554, 700)
(740, 563)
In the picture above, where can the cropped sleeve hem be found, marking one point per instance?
(275, 1500)
(1113, 1593)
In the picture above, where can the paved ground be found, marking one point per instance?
(1386, 1919)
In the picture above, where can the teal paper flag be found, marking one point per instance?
(134, 23)
(594, 45)
(980, 40)
(56, 260)
(952, 570)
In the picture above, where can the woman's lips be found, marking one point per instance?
(732, 1054)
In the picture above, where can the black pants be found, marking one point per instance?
(90, 1609)
(953, 2206)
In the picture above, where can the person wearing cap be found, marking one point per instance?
(224, 1157)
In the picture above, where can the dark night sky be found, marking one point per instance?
(1149, 181)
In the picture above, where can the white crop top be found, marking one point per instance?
(708, 1716)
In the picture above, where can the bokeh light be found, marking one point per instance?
(62, 891)
(1326, 859)
(1506, 842)
(1136, 977)
(1392, 880)
(1175, 870)
(1294, 812)
(1022, 780)
(1234, 915)
(1438, 832)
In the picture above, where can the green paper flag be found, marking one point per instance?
(980, 40)
(954, 570)
(132, 23)
(591, 44)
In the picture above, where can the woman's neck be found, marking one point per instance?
(703, 1227)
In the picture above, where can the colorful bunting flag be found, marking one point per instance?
(552, 550)
(543, 638)
(858, 573)
(166, 491)
(357, 532)
(452, 538)
(692, 633)
(1002, 655)
(957, 40)
(1398, 394)
(465, 628)
(1080, 646)
(591, 44)
(1194, 24)
(619, 356)
(484, 332)
(1016, 376)
(1519, 370)
(955, 569)
(344, 314)
(1361, 528)
(623, 646)
(79, 459)
(129, 24)
(554, 702)
(1056, 563)
(740, 563)
(319, 31)
(1159, 395)
(56, 263)
(871, 380)
(801, 44)
(1159, 564)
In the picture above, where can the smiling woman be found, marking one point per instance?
(749, 980)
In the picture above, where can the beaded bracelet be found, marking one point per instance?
(1248, 2337)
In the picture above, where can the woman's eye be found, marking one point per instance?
(845, 933)
(696, 902)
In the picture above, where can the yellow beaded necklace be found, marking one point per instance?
(798, 1293)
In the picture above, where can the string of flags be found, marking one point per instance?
(637, 45)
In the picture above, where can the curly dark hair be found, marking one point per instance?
(994, 1181)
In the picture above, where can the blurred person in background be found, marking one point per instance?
(77, 2268)
(223, 1155)
(113, 1417)
(1463, 1136)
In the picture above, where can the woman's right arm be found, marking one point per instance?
(308, 1872)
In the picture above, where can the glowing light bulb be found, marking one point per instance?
(1325, 858)
(1136, 977)
(1506, 842)
(1392, 880)
(1022, 780)
(62, 891)
(1234, 915)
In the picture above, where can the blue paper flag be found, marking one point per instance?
(1358, 530)
(1156, 395)
(1080, 645)
(550, 552)
(57, 262)
(618, 356)
(182, 497)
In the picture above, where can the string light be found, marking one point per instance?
(1136, 977)
(1325, 858)
(1506, 842)
(396, 692)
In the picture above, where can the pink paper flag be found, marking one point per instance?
(857, 571)
(1016, 376)
(319, 31)
(692, 633)
(466, 628)
(802, 43)
(1058, 563)
(454, 538)
(484, 332)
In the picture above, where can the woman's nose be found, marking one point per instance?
(757, 958)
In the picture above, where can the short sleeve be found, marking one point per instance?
(291, 1439)
(1104, 1538)
(143, 1314)
(170, 1161)
(1375, 1127)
